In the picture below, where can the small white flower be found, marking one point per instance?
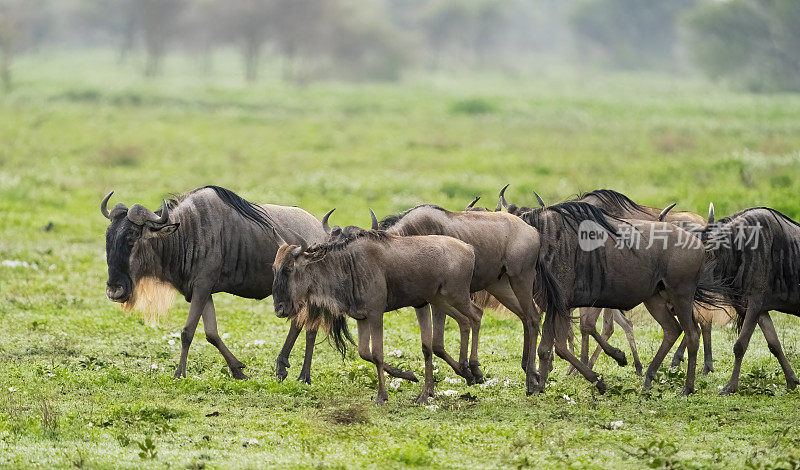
(396, 353)
(252, 442)
(652, 412)
(360, 366)
(452, 380)
(395, 383)
(52, 267)
(447, 393)
(154, 366)
(175, 335)
(432, 407)
(171, 342)
(12, 389)
(616, 425)
(226, 335)
(570, 400)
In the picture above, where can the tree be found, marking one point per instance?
(752, 42)
(630, 33)
(158, 21)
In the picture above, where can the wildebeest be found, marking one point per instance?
(757, 252)
(207, 241)
(365, 273)
(506, 265)
(622, 207)
(668, 276)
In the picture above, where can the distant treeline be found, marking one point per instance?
(751, 42)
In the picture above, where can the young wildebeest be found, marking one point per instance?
(662, 270)
(757, 252)
(506, 266)
(207, 241)
(364, 273)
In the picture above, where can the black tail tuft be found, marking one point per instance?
(711, 291)
(340, 334)
(549, 296)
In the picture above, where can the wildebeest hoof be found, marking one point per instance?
(180, 372)
(379, 400)
(423, 398)
(620, 357)
(792, 383)
(707, 368)
(304, 378)
(676, 361)
(728, 390)
(467, 374)
(687, 391)
(281, 364)
(601, 386)
(638, 366)
(477, 373)
(237, 373)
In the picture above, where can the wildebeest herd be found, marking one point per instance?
(598, 251)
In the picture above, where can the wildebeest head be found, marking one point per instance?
(129, 227)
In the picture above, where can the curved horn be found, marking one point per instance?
(711, 213)
(375, 225)
(104, 205)
(325, 221)
(664, 212)
(502, 200)
(164, 214)
(472, 204)
(541, 201)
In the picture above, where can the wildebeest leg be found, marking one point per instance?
(439, 318)
(212, 336)
(589, 326)
(684, 306)
(740, 346)
(426, 333)
(606, 333)
(376, 338)
(658, 308)
(554, 336)
(282, 362)
(305, 372)
(768, 329)
(531, 316)
(472, 314)
(502, 291)
(187, 334)
(678, 357)
(627, 327)
(708, 358)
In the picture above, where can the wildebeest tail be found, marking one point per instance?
(340, 334)
(549, 296)
(711, 291)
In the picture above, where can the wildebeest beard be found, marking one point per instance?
(743, 266)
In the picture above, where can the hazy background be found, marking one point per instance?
(751, 44)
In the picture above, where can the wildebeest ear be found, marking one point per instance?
(163, 231)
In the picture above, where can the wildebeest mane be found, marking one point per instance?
(612, 198)
(341, 242)
(574, 211)
(392, 220)
(241, 206)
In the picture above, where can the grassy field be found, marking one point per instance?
(84, 385)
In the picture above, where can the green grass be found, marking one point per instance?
(84, 384)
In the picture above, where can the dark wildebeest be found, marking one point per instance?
(207, 241)
(622, 207)
(669, 274)
(757, 252)
(506, 265)
(365, 273)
